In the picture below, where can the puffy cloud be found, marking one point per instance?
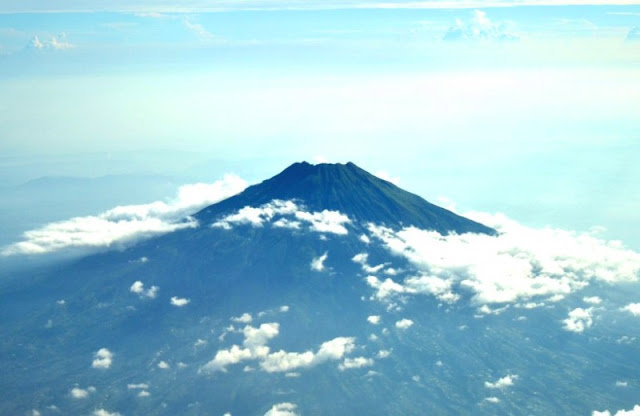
(479, 27)
(258, 216)
(357, 362)
(374, 319)
(257, 337)
(632, 412)
(317, 263)
(501, 383)
(621, 383)
(578, 320)
(179, 302)
(223, 358)
(245, 318)
(79, 393)
(325, 221)
(102, 412)
(282, 409)
(492, 399)
(140, 386)
(126, 224)
(138, 288)
(282, 361)
(633, 308)
(404, 323)
(103, 358)
(144, 393)
(594, 300)
(284, 308)
(289, 215)
(383, 353)
(163, 365)
(255, 348)
(519, 264)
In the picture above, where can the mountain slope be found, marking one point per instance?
(351, 191)
(246, 313)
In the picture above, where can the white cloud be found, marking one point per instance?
(479, 27)
(622, 383)
(102, 358)
(492, 399)
(362, 259)
(317, 263)
(138, 288)
(126, 224)
(519, 264)
(199, 30)
(79, 393)
(404, 323)
(144, 393)
(282, 409)
(163, 365)
(257, 337)
(357, 362)
(102, 412)
(383, 353)
(382, 174)
(179, 302)
(633, 308)
(501, 383)
(374, 319)
(284, 308)
(245, 318)
(325, 221)
(255, 348)
(632, 412)
(140, 386)
(289, 215)
(578, 320)
(365, 239)
(282, 361)
(60, 43)
(224, 358)
(594, 300)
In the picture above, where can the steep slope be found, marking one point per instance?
(352, 191)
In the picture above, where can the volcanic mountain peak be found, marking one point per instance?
(352, 191)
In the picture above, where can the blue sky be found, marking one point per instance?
(531, 110)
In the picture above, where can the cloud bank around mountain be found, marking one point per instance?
(518, 266)
(128, 223)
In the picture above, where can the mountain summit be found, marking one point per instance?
(352, 191)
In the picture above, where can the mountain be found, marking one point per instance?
(352, 191)
(323, 290)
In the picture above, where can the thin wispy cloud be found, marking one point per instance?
(127, 224)
(157, 8)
